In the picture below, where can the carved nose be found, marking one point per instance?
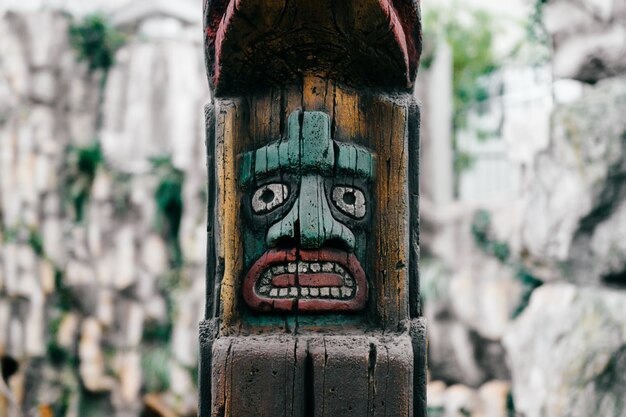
(316, 224)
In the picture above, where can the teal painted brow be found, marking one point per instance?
(308, 149)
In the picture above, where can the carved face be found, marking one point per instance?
(308, 205)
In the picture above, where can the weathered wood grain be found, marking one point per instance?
(230, 124)
(308, 376)
(312, 99)
(341, 376)
(417, 331)
(214, 279)
(208, 333)
(392, 375)
(363, 43)
(414, 215)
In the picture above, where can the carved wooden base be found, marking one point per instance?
(314, 375)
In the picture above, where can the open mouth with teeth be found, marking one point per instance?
(311, 281)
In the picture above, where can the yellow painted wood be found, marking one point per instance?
(318, 94)
(229, 248)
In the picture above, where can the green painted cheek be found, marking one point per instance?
(361, 246)
(254, 246)
(286, 227)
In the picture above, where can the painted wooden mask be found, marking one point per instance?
(308, 206)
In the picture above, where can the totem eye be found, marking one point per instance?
(269, 196)
(349, 200)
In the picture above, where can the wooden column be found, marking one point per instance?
(313, 153)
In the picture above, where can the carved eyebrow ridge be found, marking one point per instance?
(308, 149)
(352, 160)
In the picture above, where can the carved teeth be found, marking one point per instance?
(266, 288)
(339, 269)
(308, 292)
(307, 267)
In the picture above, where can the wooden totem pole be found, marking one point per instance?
(313, 145)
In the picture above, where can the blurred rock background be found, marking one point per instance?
(103, 210)
(103, 218)
(523, 206)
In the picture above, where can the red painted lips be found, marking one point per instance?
(313, 281)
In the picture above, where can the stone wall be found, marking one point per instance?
(589, 38)
(566, 350)
(103, 220)
(526, 295)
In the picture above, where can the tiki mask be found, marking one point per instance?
(307, 206)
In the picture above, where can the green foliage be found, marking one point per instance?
(156, 332)
(168, 196)
(62, 405)
(535, 28)
(95, 404)
(169, 285)
(482, 234)
(88, 159)
(470, 34)
(463, 161)
(64, 298)
(57, 354)
(155, 364)
(54, 325)
(473, 59)
(194, 371)
(435, 411)
(535, 48)
(529, 284)
(510, 405)
(35, 241)
(95, 41)
(10, 235)
(169, 203)
(481, 231)
(82, 165)
(29, 234)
